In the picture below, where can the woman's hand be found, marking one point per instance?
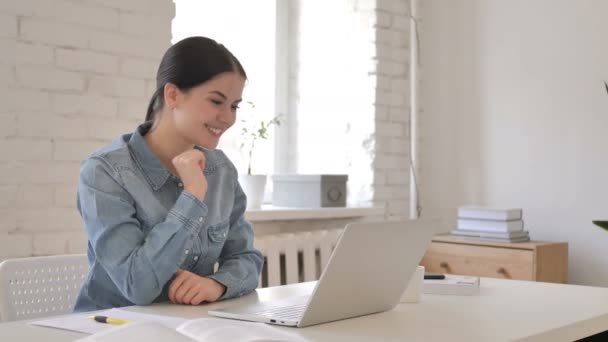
(189, 166)
(191, 289)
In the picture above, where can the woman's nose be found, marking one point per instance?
(226, 115)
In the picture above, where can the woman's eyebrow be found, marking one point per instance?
(219, 93)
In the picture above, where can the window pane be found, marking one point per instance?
(335, 97)
(247, 29)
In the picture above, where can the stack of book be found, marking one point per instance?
(491, 224)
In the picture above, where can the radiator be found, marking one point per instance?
(295, 257)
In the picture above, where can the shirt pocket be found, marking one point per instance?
(218, 232)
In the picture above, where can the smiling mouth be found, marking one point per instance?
(214, 130)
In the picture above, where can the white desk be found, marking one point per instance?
(504, 310)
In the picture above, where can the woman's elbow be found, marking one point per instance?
(141, 291)
(259, 262)
(139, 296)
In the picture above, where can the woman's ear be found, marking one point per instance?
(171, 94)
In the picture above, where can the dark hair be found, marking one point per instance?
(187, 64)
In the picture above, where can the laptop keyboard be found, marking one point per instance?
(285, 312)
(292, 308)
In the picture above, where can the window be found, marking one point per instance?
(310, 61)
(248, 29)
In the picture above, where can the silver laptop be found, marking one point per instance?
(367, 273)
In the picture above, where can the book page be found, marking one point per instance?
(138, 332)
(219, 329)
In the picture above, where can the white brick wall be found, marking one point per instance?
(49, 78)
(76, 13)
(32, 196)
(74, 74)
(86, 61)
(138, 67)
(12, 245)
(51, 32)
(117, 86)
(86, 105)
(65, 196)
(8, 26)
(73, 150)
(20, 100)
(8, 125)
(23, 149)
(392, 100)
(33, 54)
(42, 125)
(8, 196)
(127, 108)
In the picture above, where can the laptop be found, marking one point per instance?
(367, 273)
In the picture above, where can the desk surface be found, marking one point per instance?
(504, 310)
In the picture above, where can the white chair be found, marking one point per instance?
(40, 286)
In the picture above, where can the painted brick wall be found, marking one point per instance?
(73, 76)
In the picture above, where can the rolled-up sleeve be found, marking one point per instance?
(139, 264)
(240, 263)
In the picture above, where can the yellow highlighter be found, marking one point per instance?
(108, 320)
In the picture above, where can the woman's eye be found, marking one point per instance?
(216, 102)
(235, 107)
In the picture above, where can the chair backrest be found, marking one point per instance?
(40, 286)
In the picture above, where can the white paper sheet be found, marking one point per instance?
(82, 323)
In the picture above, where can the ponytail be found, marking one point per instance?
(154, 106)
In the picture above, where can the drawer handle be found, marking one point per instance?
(502, 271)
(444, 264)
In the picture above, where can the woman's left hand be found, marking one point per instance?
(191, 289)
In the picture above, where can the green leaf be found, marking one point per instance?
(262, 130)
(253, 130)
(601, 224)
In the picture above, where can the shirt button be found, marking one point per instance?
(196, 257)
(200, 219)
(187, 251)
(180, 184)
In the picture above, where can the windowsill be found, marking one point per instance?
(271, 213)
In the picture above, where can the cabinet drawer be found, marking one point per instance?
(479, 261)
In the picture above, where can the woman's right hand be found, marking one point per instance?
(189, 166)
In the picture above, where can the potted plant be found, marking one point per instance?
(252, 130)
(602, 223)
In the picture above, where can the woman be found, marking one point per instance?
(162, 206)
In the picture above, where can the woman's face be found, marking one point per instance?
(203, 113)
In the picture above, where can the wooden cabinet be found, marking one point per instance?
(533, 260)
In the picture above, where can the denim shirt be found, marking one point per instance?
(142, 226)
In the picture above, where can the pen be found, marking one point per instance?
(108, 320)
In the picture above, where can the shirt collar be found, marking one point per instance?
(154, 171)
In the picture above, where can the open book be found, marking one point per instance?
(149, 327)
(201, 329)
